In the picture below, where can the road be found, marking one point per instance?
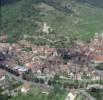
(100, 73)
(83, 92)
(30, 82)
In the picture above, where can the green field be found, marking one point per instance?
(66, 17)
(36, 94)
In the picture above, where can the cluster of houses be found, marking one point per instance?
(44, 59)
(96, 48)
(75, 62)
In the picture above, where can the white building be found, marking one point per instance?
(25, 88)
(71, 96)
(45, 28)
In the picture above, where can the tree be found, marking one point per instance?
(56, 77)
(41, 80)
(3, 96)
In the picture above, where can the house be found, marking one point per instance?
(71, 96)
(29, 65)
(4, 46)
(24, 43)
(21, 69)
(97, 59)
(78, 76)
(45, 28)
(25, 88)
(2, 57)
(95, 76)
(2, 79)
(3, 38)
(97, 86)
(96, 49)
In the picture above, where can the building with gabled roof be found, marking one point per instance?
(25, 88)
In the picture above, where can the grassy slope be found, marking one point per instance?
(22, 17)
(36, 94)
(98, 94)
(88, 21)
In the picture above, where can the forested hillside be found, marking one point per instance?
(74, 18)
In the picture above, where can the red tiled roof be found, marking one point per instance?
(98, 58)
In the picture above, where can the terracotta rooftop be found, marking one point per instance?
(98, 58)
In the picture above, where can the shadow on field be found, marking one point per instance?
(5, 2)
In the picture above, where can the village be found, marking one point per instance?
(47, 63)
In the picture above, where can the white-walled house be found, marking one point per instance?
(71, 96)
